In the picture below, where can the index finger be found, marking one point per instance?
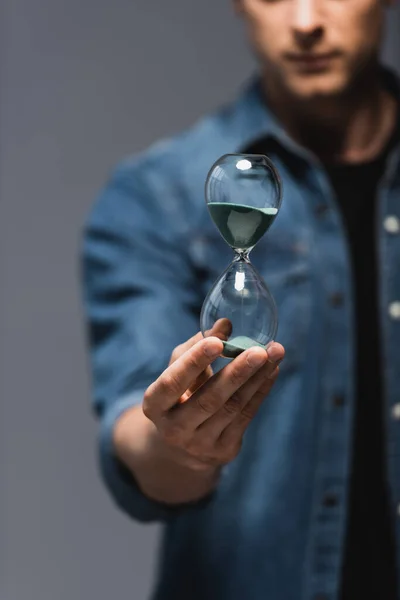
(166, 391)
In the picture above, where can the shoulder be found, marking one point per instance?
(168, 177)
(185, 156)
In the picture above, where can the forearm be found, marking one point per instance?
(158, 468)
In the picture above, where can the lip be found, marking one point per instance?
(312, 62)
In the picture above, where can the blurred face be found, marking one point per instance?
(314, 48)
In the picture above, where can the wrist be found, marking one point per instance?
(163, 473)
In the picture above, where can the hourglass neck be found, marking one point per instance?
(242, 255)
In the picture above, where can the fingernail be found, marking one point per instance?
(274, 354)
(256, 359)
(212, 350)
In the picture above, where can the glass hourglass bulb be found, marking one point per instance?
(243, 195)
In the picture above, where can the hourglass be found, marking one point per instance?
(243, 195)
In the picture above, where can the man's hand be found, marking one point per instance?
(204, 416)
(191, 421)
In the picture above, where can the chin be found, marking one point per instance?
(318, 86)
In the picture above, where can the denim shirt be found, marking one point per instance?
(150, 255)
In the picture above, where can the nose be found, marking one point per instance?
(306, 23)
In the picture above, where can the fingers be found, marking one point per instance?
(221, 329)
(215, 425)
(182, 348)
(208, 426)
(202, 378)
(204, 443)
(241, 421)
(206, 401)
(235, 430)
(166, 391)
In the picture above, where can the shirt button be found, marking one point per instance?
(391, 224)
(396, 411)
(394, 310)
(330, 500)
(336, 299)
(338, 400)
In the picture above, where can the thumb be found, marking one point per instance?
(221, 329)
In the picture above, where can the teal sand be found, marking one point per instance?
(241, 226)
(238, 344)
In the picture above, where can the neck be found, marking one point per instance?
(352, 127)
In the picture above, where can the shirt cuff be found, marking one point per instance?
(119, 480)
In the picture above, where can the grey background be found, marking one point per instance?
(83, 83)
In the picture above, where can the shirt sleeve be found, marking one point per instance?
(141, 300)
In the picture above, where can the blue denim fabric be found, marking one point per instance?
(150, 255)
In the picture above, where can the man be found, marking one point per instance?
(271, 487)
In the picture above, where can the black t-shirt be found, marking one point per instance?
(369, 560)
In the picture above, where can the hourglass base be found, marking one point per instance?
(237, 345)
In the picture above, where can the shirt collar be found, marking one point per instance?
(254, 120)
